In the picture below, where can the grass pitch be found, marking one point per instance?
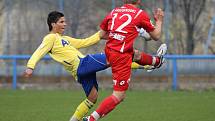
(58, 105)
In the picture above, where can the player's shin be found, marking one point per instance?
(106, 106)
(82, 110)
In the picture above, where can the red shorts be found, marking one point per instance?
(121, 68)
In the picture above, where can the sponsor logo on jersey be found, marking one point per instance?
(64, 42)
(117, 36)
(122, 83)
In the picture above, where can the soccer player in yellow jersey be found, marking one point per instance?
(64, 50)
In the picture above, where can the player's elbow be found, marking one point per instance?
(156, 38)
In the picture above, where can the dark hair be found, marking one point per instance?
(53, 17)
(130, 1)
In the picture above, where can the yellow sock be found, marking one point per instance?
(135, 65)
(82, 109)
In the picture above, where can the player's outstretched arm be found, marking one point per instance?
(41, 51)
(86, 42)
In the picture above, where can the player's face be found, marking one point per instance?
(138, 2)
(60, 25)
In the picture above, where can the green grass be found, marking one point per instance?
(31, 105)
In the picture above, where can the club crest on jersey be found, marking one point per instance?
(64, 42)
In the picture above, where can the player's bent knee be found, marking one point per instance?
(93, 95)
(93, 98)
(120, 95)
(137, 55)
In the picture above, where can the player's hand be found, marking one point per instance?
(103, 34)
(159, 15)
(28, 72)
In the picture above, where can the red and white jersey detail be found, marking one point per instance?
(122, 24)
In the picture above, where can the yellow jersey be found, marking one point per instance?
(63, 49)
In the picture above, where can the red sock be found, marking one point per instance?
(107, 105)
(147, 59)
(91, 118)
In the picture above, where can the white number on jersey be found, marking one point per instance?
(123, 25)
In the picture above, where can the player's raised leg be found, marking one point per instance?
(147, 59)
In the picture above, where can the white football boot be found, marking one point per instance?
(160, 53)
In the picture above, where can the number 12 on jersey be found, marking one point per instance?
(122, 25)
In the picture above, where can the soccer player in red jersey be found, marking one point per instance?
(122, 25)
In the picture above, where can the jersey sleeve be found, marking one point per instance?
(146, 23)
(42, 50)
(104, 23)
(81, 43)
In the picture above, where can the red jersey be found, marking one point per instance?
(122, 24)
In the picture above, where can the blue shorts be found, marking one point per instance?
(87, 69)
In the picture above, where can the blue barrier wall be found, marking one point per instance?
(172, 58)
